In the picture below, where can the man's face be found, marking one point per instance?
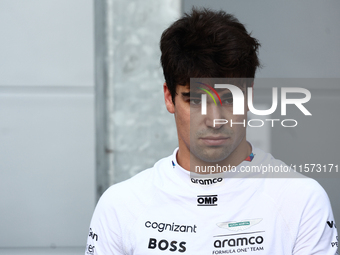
(197, 133)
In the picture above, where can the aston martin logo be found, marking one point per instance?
(238, 225)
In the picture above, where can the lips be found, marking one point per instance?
(214, 140)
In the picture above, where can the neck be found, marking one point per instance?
(185, 158)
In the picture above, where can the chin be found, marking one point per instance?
(211, 155)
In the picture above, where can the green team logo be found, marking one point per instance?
(238, 225)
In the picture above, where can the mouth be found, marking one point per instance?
(214, 140)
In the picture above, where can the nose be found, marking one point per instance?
(214, 112)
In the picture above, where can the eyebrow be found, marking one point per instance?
(229, 94)
(196, 94)
(192, 94)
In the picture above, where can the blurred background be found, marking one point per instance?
(81, 104)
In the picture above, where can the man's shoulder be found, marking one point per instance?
(282, 181)
(295, 187)
(136, 188)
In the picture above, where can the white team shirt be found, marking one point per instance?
(163, 210)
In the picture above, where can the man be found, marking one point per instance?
(172, 208)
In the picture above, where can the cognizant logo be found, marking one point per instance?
(238, 104)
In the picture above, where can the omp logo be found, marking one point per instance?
(331, 224)
(207, 200)
(206, 181)
(238, 225)
(170, 227)
(164, 245)
(240, 241)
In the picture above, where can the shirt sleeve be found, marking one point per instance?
(317, 232)
(104, 236)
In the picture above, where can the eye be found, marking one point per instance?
(195, 101)
(227, 100)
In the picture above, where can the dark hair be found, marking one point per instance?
(207, 43)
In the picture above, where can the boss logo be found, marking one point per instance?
(207, 200)
(164, 245)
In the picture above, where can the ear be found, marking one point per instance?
(168, 99)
